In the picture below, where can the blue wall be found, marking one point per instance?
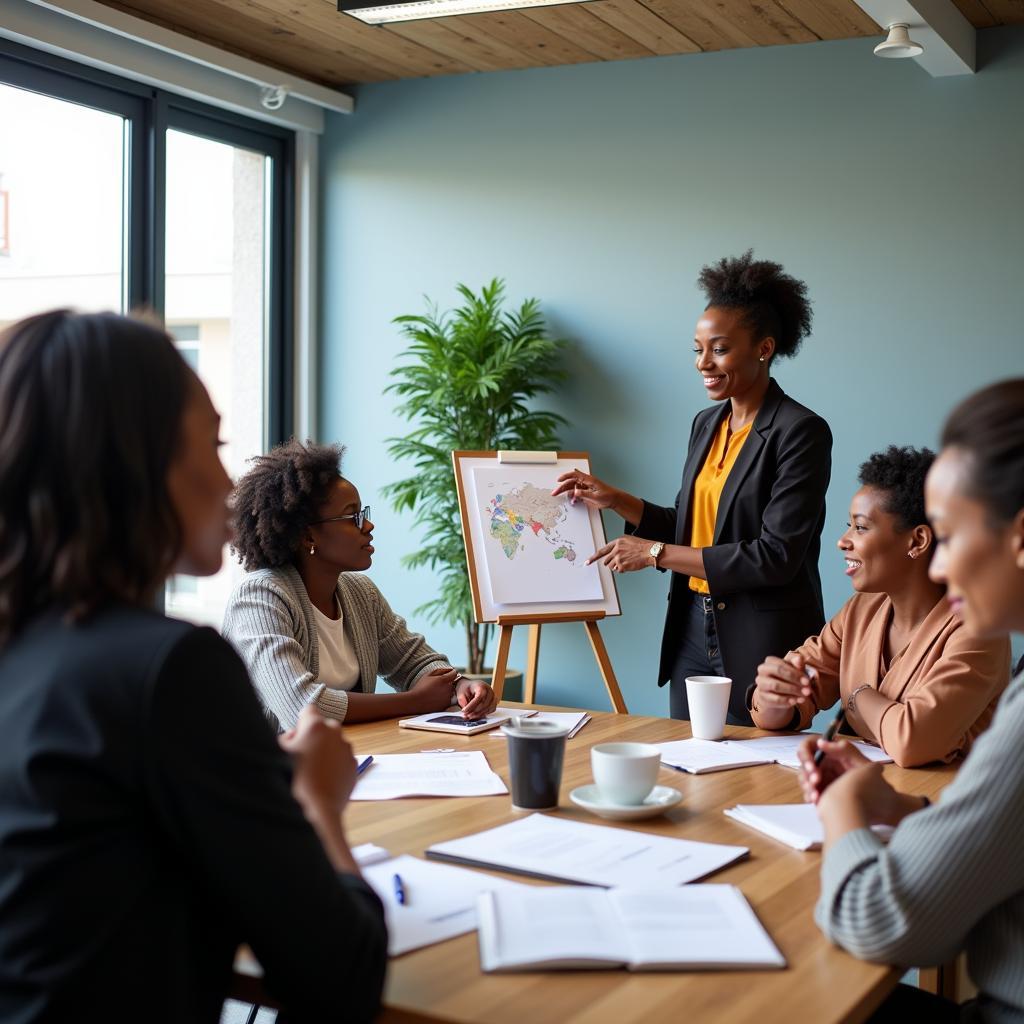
(603, 188)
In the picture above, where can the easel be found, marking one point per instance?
(539, 614)
(589, 620)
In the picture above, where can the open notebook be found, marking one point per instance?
(695, 927)
(701, 756)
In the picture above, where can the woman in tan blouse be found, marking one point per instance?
(909, 677)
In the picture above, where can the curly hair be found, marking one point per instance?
(774, 303)
(989, 427)
(279, 498)
(92, 411)
(900, 473)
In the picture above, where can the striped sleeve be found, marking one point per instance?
(952, 875)
(262, 624)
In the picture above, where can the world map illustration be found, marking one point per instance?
(518, 513)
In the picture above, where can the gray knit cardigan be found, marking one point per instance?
(269, 620)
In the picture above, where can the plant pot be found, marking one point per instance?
(513, 682)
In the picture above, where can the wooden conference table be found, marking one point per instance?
(444, 982)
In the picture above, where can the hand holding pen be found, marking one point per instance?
(823, 759)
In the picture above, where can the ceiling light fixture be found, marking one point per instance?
(898, 43)
(374, 12)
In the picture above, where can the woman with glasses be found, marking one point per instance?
(311, 628)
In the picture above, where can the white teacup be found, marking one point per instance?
(625, 772)
(708, 697)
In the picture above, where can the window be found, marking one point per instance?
(132, 198)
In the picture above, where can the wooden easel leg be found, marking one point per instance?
(532, 658)
(605, 665)
(501, 661)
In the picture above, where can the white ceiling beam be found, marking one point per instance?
(947, 36)
(111, 40)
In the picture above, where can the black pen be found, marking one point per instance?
(399, 889)
(830, 734)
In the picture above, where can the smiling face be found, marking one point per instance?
(980, 559)
(341, 543)
(728, 356)
(199, 487)
(875, 545)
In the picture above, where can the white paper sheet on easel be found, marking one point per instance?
(534, 543)
(440, 900)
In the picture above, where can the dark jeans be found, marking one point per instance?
(698, 655)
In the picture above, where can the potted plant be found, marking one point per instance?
(469, 376)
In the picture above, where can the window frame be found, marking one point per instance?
(149, 112)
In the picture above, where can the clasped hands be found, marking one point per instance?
(438, 689)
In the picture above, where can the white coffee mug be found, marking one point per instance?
(708, 697)
(625, 772)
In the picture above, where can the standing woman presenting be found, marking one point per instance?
(742, 539)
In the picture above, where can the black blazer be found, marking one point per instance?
(147, 827)
(763, 566)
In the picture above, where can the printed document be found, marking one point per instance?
(460, 773)
(572, 851)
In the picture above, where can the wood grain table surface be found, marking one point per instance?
(444, 982)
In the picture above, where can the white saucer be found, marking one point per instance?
(659, 800)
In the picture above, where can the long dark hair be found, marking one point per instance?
(989, 427)
(90, 418)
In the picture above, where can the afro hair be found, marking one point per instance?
(280, 497)
(775, 304)
(899, 473)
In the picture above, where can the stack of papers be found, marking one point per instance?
(699, 927)
(456, 773)
(573, 851)
(796, 825)
(701, 756)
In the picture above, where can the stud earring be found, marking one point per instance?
(312, 549)
(761, 360)
(912, 554)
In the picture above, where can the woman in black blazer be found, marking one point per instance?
(150, 822)
(742, 539)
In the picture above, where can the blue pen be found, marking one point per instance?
(399, 889)
(364, 764)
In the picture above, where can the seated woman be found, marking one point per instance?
(310, 628)
(146, 810)
(951, 878)
(909, 676)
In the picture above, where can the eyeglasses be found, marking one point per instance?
(358, 518)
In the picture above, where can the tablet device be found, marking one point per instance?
(445, 721)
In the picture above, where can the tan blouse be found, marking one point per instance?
(945, 683)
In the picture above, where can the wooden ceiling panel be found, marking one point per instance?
(527, 36)
(976, 13)
(1005, 12)
(311, 39)
(575, 21)
(830, 20)
(466, 43)
(643, 25)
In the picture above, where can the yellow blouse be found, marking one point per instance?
(707, 489)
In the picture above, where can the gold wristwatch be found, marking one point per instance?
(656, 549)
